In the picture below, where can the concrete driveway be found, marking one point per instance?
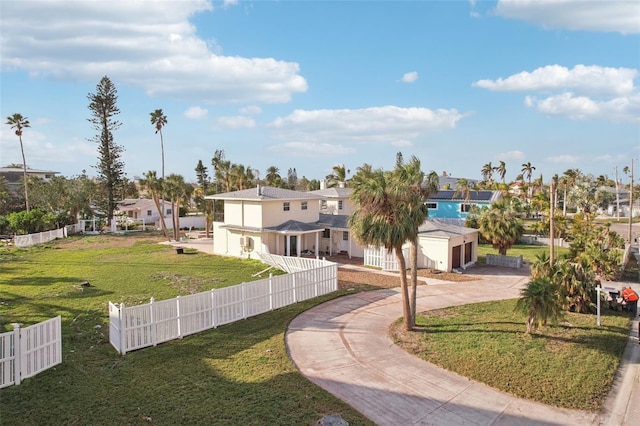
(343, 346)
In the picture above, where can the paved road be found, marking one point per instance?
(343, 346)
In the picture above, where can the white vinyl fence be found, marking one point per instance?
(137, 327)
(379, 257)
(42, 237)
(25, 352)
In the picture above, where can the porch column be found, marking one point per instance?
(462, 257)
(317, 245)
(288, 250)
(277, 244)
(298, 244)
(330, 241)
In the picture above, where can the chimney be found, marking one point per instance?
(340, 184)
(259, 188)
(323, 184)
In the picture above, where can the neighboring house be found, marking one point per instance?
(267, 219)
(144, 210)
(449, 182)
(445, 207)
(14, 176)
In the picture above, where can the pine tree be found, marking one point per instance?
(103, 108)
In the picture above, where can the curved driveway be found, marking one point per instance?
(343, 346)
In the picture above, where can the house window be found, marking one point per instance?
(345, 236)
(432, 206)
(304, 205)
(149, 212)
(340, 204)
(326, 233)
(48, 176)
(168, 211)
(286, 206)
(323, 204)
(464, 208)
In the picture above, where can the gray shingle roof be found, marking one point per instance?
(438, 229)
(338, 221)
(264, 193)
(333, 192)
(293, 226)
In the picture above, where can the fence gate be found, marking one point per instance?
(25, 352)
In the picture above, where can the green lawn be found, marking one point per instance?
(528, 251)
(570, 365)
(236, 374)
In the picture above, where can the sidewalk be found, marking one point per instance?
(343, 346)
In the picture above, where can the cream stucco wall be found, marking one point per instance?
(437, 252)
(273, 213)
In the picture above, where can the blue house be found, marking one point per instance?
(446, 207)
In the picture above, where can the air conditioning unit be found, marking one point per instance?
(242, 242)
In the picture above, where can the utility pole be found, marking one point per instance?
(631, 204)
(552, 209)
(617, 196)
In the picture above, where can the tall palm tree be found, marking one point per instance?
(159, 120)
(502, 170)
(18, 122)
(527, 171)
(487, 173)
(155, 186)
(570, 177)
(379, 219)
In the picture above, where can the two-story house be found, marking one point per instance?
(267, 219)
(449, 206)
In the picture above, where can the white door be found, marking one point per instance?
(344, 246)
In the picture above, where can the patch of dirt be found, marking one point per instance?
(184, 284)
(84, 242)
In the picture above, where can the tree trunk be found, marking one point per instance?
(162, 148)
(406, 308)
(24, 170)
(163, 225)
(414, 281)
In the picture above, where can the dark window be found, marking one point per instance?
(304, 205)
(340, 204)
(326, 233)
(464, 208)
(286, 206)
(432, 206)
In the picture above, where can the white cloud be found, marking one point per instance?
(236, 122)
(511, 156)
(581, 108)
(409, 77)
(310, 149)
(155, 48)
(564, 159)
(228, 3)
(196, 113)
(401, 143)
(38, 150)
(609, 16)
(375, 124)
(251, 110)
(582, 79)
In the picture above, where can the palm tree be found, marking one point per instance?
(338, 176)
(487, 173)
(570, 176)
(500, 226)
(159, 120)
(540, 301)
(273, 176)
(155, 187)
(463, 188)
(180, 193)
(414, 188)
(379, 219)
(18, 122)
(502, 170)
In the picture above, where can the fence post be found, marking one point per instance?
(295, 297)
(178, 316)
(214, 308)
(153, 325)
(17, 353)
(244, 300)
(123, 329)
(270, 292)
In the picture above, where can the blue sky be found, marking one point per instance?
(312, 84)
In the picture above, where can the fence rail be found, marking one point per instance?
(30, 240)
(25, 352)
(141, 326)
